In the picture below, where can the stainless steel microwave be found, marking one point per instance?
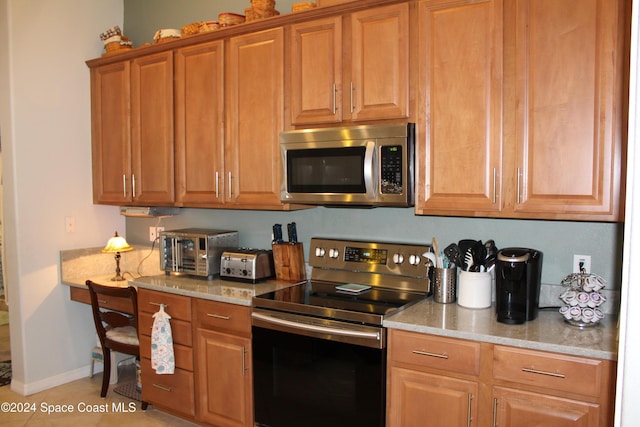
(195, 251)
(369, 165)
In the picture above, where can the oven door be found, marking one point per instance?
(306, 378)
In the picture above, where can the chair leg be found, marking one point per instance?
(106, 374)
(144, 405)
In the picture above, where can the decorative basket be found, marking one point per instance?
(191, 29)
(582, 299)
(227, 19)
(166, 35)
(302, 6)
(111, 32)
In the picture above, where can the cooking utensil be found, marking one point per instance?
(436, 250)
(479, 252)
(464, 245)
(453, 253)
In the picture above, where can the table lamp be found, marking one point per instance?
(115, 245)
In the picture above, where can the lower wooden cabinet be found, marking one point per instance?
(433, 381)
(223, 364)
(212, 383)
(419, 398)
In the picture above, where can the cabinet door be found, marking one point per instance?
(224, 379)
(568, 134)
(460, 105)
(199, 123)
(152, 129)
(511, 407)
(316, 71)
(379, 87)
(255, 113)
(110, 138)
(416, 399)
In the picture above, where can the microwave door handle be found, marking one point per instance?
(370, 170)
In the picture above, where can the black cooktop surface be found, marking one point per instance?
(328, 300)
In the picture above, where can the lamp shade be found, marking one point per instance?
(117, 244)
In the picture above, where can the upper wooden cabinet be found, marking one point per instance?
(199, 120)
(567, 101)
(526, 127)
(460, 106)
(255, 110)
(132, 131)
(351, 68)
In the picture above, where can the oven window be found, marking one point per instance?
(303, 381)
(326, 170)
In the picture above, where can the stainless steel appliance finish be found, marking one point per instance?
(319, 351)
(370, 165)
(246, 264)
(194, 251)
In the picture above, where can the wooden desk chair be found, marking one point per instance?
(116, 331)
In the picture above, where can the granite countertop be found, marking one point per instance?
(548, 332)
(230, 291)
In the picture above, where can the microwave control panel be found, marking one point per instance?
(391, 169)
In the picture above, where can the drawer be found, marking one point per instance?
(554, 371)
(123, 305)
(434, 352)
(173, 391)
(183, 355)
(180, 330)
(223, 316)
(177, 306)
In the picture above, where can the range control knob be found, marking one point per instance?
(398, 258)
(320, 252)
(414, 259)
(334, 253)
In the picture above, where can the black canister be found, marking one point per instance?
(518, 274)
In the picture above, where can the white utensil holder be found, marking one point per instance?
(474, 289)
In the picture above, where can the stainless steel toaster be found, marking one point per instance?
(247, 265)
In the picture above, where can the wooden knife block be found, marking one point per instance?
(288, 260)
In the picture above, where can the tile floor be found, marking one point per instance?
(80, 395)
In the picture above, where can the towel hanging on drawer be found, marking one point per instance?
(162, 359)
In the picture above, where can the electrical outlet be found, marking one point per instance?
(154, 233)
(70, 224)
(586, 263)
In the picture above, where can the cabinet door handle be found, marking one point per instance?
(161, 387)
(550, 374)
(218, 316)
(244, 367)
(518, 187)
(217, 185)
(351, 89)
(133, 185)
(335, 106)
(426, 353)
(230, 186)
(493, 201)
(158, 304)
(469, 399)
(495, 411)
(124, 185)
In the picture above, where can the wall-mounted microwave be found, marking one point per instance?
(369, 165)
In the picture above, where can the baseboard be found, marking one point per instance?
(26, 389)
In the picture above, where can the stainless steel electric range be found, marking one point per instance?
(319, 348)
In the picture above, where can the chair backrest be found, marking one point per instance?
(104, 317)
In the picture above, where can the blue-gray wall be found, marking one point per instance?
(558, 240)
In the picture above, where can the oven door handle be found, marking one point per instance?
(316, 328)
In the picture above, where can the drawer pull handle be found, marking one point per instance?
(218, 316)
(426, 353)
(495, 412)
(161, 387)
(104, 301)
(469, 399)
(159, 304)
(535, 371)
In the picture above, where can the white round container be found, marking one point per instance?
(474, 289)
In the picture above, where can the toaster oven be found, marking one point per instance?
(194, 251)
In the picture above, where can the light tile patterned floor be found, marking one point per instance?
(82, 396)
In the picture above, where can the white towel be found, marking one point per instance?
(162, 359)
